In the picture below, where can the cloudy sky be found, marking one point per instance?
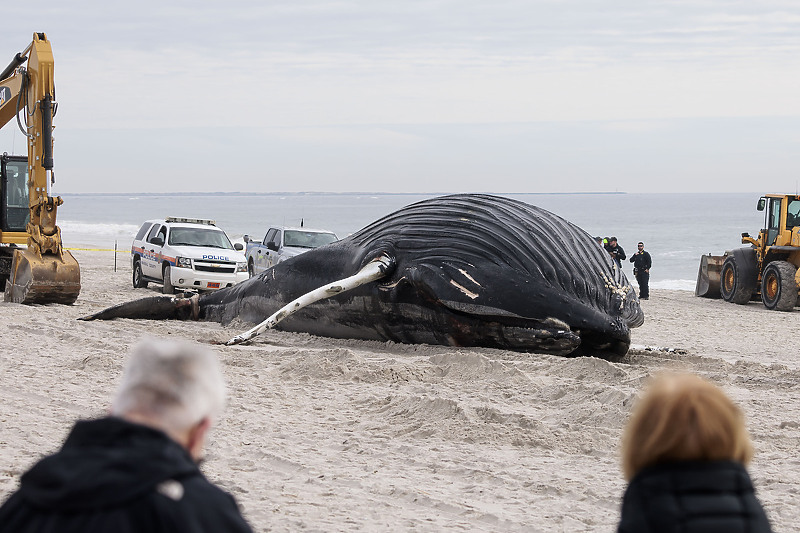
(420, 96)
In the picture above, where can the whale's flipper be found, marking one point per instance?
(376, 269)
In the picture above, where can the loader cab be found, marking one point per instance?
(773, 206)
(14, 210)
(772, 222)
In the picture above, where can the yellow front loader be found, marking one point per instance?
(767, 269)
(41, 271)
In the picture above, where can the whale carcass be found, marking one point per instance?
(458, 270)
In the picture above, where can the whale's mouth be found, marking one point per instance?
(483, 325)
(554, 342)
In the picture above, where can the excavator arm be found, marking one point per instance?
(43, 272)
(10, 85)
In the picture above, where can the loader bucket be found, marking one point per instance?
(708, 277)
(43, 279)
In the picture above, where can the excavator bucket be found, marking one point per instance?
(42, 279)
(708, 277)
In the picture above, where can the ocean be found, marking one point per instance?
(676, 228)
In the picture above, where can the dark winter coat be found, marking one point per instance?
(641, 261)
(616, 252)
(113, 475)
(692, 497)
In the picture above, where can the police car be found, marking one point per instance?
(186, 253)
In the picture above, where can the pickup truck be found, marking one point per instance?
(280, 243)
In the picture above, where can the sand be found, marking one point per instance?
(332, 435)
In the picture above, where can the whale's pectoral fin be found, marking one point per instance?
(378, 268)
(153, 308)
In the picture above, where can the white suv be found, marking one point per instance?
(186, 253)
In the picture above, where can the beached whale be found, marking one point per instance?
(458, 270)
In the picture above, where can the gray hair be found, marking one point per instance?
(176, 383)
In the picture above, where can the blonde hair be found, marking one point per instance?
(682, 417)
(176, 383)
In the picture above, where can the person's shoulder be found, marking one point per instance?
(678, 475)
(192, 504)
(199, 486)
(215, 504)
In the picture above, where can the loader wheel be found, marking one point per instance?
(138, 278)
(732, 286)
(778, 287)
(168, 288)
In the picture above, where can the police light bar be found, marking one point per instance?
(192, 220)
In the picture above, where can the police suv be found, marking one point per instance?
(186, 253)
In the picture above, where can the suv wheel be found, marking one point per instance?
(138, 278)
(168, 287)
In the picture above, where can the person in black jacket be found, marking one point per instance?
(135, 471)
(684, 453)
(616, 251)
(641, 269)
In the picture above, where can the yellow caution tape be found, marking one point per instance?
(100, 250)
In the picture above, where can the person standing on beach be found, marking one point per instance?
(684, 452)
(616, 251)
(641, 269)
(136, 470)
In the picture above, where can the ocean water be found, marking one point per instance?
(676, 228)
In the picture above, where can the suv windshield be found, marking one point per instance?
(307, 239)
(199, 237)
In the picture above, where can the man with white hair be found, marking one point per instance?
(137, 469)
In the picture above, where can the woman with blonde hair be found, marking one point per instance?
(684, 452)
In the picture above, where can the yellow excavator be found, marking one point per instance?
(41, 271)
(767, 269)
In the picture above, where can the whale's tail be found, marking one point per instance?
(153, 308)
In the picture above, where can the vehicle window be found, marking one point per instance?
(307, 239)
(153, 232)
(773, 220)
(793, 213)
(17, 213)
(774, 212)
(143, 231)
(199, 237)
(17, 175)
(270, 236)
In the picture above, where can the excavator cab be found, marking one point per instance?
(14, 210)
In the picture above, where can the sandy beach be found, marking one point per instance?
(332, 435)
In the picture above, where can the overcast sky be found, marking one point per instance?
(419, 96)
